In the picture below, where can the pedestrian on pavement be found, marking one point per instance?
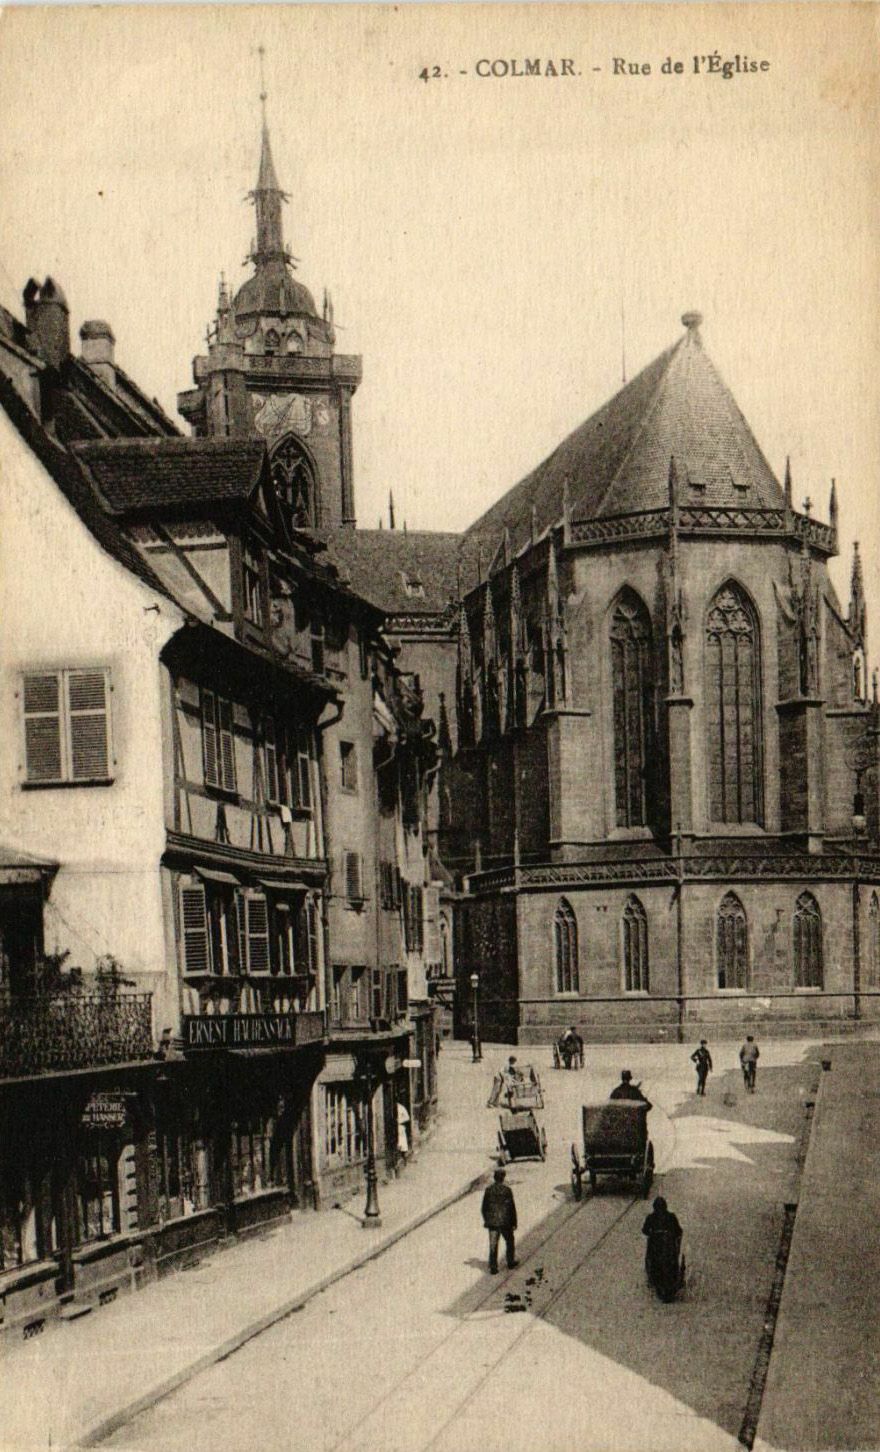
(703, 1060)
(626, 1089)
(748, 1057)
(499, 1218)
(402, 1131)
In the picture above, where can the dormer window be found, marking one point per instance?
(271, 342)
(414, 587)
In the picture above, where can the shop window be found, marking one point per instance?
(635, 947)
(97, 1186)
(732, 943)
(256, 1158)
(566, 944)
(28, 1229)
(348, 766)
(66, 726)
(218, 741)
(343, 1138)
(874, 942)
(182, 1166)
(807, 934)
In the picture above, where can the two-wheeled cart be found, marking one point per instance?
(518, 1095)
(616, 1144)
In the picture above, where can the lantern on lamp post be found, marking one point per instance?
(475, 1036)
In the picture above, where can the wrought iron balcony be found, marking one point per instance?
(47, 1033)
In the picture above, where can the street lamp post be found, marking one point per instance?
(475, 1040)
(372, 1216)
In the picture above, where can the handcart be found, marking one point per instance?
(616, 1144)
(518, 1094)
(520, 1136)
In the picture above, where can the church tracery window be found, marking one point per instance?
(732, 943)
(566, 944)
(635, 947)
(733, 708)
(807, 942)
(632, 678)
(294, 481)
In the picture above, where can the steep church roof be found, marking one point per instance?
(404, 573)
(618, 461)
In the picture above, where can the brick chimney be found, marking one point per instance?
(48, 320)
(97, 349)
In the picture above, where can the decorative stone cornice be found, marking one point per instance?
(723, 867)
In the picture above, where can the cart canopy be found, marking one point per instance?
(618, 1126)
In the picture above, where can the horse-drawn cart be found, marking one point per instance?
(615, 1144)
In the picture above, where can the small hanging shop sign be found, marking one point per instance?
(106, 1111)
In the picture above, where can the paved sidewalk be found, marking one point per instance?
(824, 1374)
(79, 1380)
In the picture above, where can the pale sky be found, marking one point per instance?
(480, 236)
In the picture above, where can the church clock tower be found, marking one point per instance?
(271, 372)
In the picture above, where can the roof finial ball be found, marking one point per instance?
(691, 321)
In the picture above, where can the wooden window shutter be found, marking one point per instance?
(42, 727)
(303, 775)
(270, 748)
(352, 876)
(87, 700)
(227, 744)
(314, 953)
(253, 932)
(209, 738)
(194, 930)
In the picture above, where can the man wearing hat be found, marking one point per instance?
(499, 1218)
(703, 1060)
(626, 1089)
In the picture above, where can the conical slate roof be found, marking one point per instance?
(618, 461)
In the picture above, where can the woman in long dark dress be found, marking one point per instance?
(663, 1250)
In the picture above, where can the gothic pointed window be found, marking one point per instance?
(807, 942)
(566, 940)
(632, 678)
(732, 943)
(733, 708)
(635, 947)
(874, 942)
(294, 481)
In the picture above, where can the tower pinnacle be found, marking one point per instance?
(267, 196)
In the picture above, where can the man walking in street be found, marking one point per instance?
(748, 1057)
(499, 1218)
(703, 1060)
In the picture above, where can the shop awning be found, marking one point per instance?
(22, 868)
(212, 874)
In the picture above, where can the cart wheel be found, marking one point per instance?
(577, 1185)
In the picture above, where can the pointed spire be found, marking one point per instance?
(832, 506)
(444, 738)
(874, 686)
(390, 510)
(857, 618)
(788, 481)
(267, 196)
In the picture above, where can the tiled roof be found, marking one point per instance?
(138, 474)
(76, 488)
(618, 461)
(401, 573)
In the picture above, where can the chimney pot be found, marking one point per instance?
(48, 320)
(97, 349)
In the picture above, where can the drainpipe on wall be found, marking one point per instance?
(679, 912)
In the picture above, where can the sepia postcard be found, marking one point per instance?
(439, 727)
